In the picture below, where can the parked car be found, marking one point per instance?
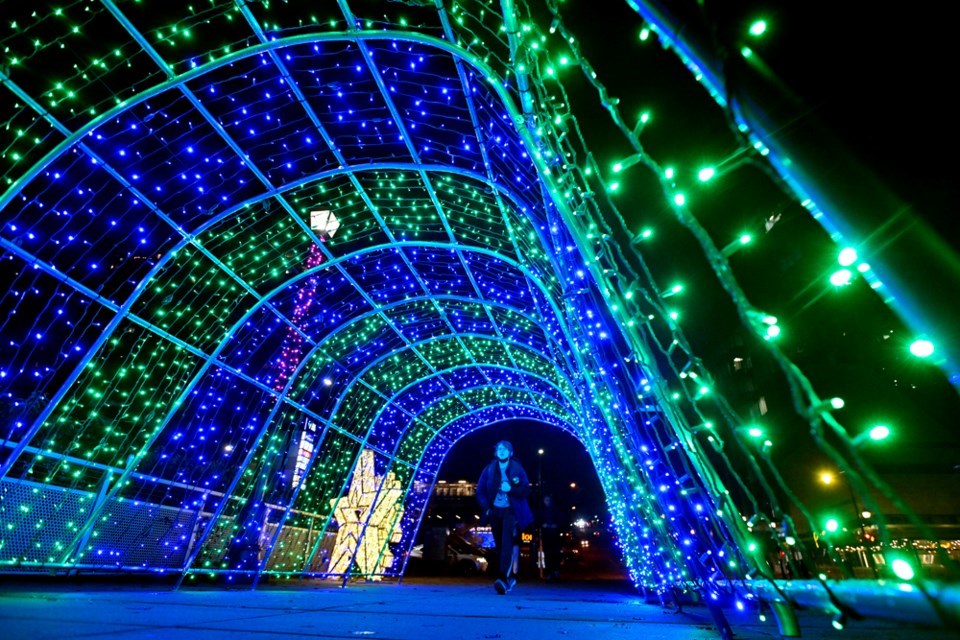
(460, 557)
(466, 559)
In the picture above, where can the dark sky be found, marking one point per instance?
(878, 79)
(564, 461)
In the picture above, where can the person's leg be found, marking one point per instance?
(502, 546)
(507, 526)
(511, 549)
(496, 528)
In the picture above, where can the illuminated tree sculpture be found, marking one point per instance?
(369, 518)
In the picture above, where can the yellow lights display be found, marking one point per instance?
(368, 517)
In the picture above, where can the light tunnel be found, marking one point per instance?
(264, 287)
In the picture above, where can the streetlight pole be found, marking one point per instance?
(827, 478)
(856, 507)
(540, 553)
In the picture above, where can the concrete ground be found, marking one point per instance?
(418, 608)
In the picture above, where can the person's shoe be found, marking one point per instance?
(511, 583)
(500, 586)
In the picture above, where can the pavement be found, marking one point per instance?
(416, 608)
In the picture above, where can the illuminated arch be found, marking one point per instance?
(198, 372)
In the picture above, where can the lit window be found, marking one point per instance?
(308, 438)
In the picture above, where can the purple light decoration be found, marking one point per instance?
(292, 351)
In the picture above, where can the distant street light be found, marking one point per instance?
(539, 475)
(828, 478)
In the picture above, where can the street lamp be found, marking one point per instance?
(828, 478)
(540, 475)
(539, 552)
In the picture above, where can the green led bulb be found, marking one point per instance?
(922, 348)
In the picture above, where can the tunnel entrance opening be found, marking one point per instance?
(558, 466)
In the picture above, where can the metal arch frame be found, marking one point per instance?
(231, 143)
(536, 409)
(71, 137)
(399, 122)
(209, 361)
(179, 81)
(436, 400)
(379, 36)
(359, 375)
(281, 398)
(388, 307)
(390, 458)
(385, 96)
(446, 298)
(122, 311)
(521, 373)
(264, 300)
(440, 435)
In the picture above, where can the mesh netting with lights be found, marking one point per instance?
(265, 263)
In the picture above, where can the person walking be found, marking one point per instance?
(502, 493)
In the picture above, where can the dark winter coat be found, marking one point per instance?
(489, 485)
